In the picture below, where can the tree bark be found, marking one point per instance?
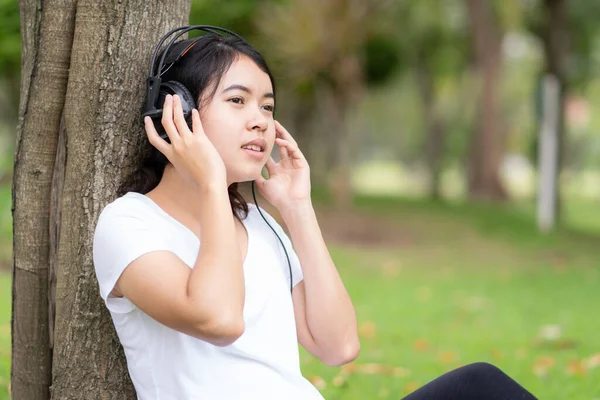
(487, 145)
(88, 62)
(46, 43)
(555, 37)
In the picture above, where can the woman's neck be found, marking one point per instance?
(178, 198)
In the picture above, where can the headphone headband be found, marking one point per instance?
(154, 81)
(184, 30)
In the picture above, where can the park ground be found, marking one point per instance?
(439, 285)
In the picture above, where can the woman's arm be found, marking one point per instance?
(205, 302)
(325, 317)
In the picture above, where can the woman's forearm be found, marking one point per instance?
(330, 314)
(216, 283)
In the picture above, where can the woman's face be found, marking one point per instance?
(238, 120)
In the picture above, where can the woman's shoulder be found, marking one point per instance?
(131, 204)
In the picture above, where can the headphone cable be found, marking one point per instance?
(275, 232)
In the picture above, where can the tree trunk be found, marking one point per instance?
(487, 145)
(555, 37)
(346, 92)
(434, 128)
(46, 46)
(83, 84)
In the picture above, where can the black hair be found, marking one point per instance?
(200, 69)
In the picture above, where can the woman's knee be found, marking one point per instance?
(480, 371)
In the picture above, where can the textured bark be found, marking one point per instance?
(487, 146)
(84, 67)
(112, 44)
(46, 42)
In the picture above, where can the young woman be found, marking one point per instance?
(197, 284)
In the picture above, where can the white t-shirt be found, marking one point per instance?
(165, 364)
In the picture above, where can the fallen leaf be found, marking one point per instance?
(374, 369)
(318, 382)
(550, 332)
(593, 361)
(542, 365)
(576, 368)
(367, 330)
(447, 357)
(421, 345)
(497, 354)
(338, 381)
(521, 354)
(390, 269)
(411, 387)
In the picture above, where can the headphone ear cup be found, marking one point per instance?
(187, 104)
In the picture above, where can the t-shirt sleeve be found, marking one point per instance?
(120, 237)
(297, 275)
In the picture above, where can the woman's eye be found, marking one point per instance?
(269, 107)
(237, 100)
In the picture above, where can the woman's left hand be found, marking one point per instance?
(288, 185)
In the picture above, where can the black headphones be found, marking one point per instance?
(156, 91)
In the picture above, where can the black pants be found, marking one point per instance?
(481, 381)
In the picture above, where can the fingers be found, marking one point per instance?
(196, 123)
(172, 118)
(167, 119)
(282, 133)
(180, 123)
(284, 155)
(155, 139)
(270, 165)
(288, 149)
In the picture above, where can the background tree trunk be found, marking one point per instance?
(488, 140)
(555, 36)
(434, 145)
(86, 63)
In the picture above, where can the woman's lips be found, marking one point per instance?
(257, 155)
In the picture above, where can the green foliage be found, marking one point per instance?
(382, 59)
(10, 37)
(235, 15)
(582, 33)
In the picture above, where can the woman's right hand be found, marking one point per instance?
(190, 152)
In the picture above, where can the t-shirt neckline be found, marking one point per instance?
(159, 209)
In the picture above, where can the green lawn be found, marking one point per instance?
(470, 283)
(4, 334)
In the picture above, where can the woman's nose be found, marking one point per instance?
(258, 121)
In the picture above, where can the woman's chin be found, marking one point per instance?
(250, 174)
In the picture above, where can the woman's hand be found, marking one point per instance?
(288, 185)
(190, 152)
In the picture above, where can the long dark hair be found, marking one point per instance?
(202, 67)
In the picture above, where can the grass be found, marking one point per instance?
(472, 283)
(4, 334)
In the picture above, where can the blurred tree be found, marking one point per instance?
(84, 67)
(318, 48)
(487, 146)
(568, 32)
(434, 42)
